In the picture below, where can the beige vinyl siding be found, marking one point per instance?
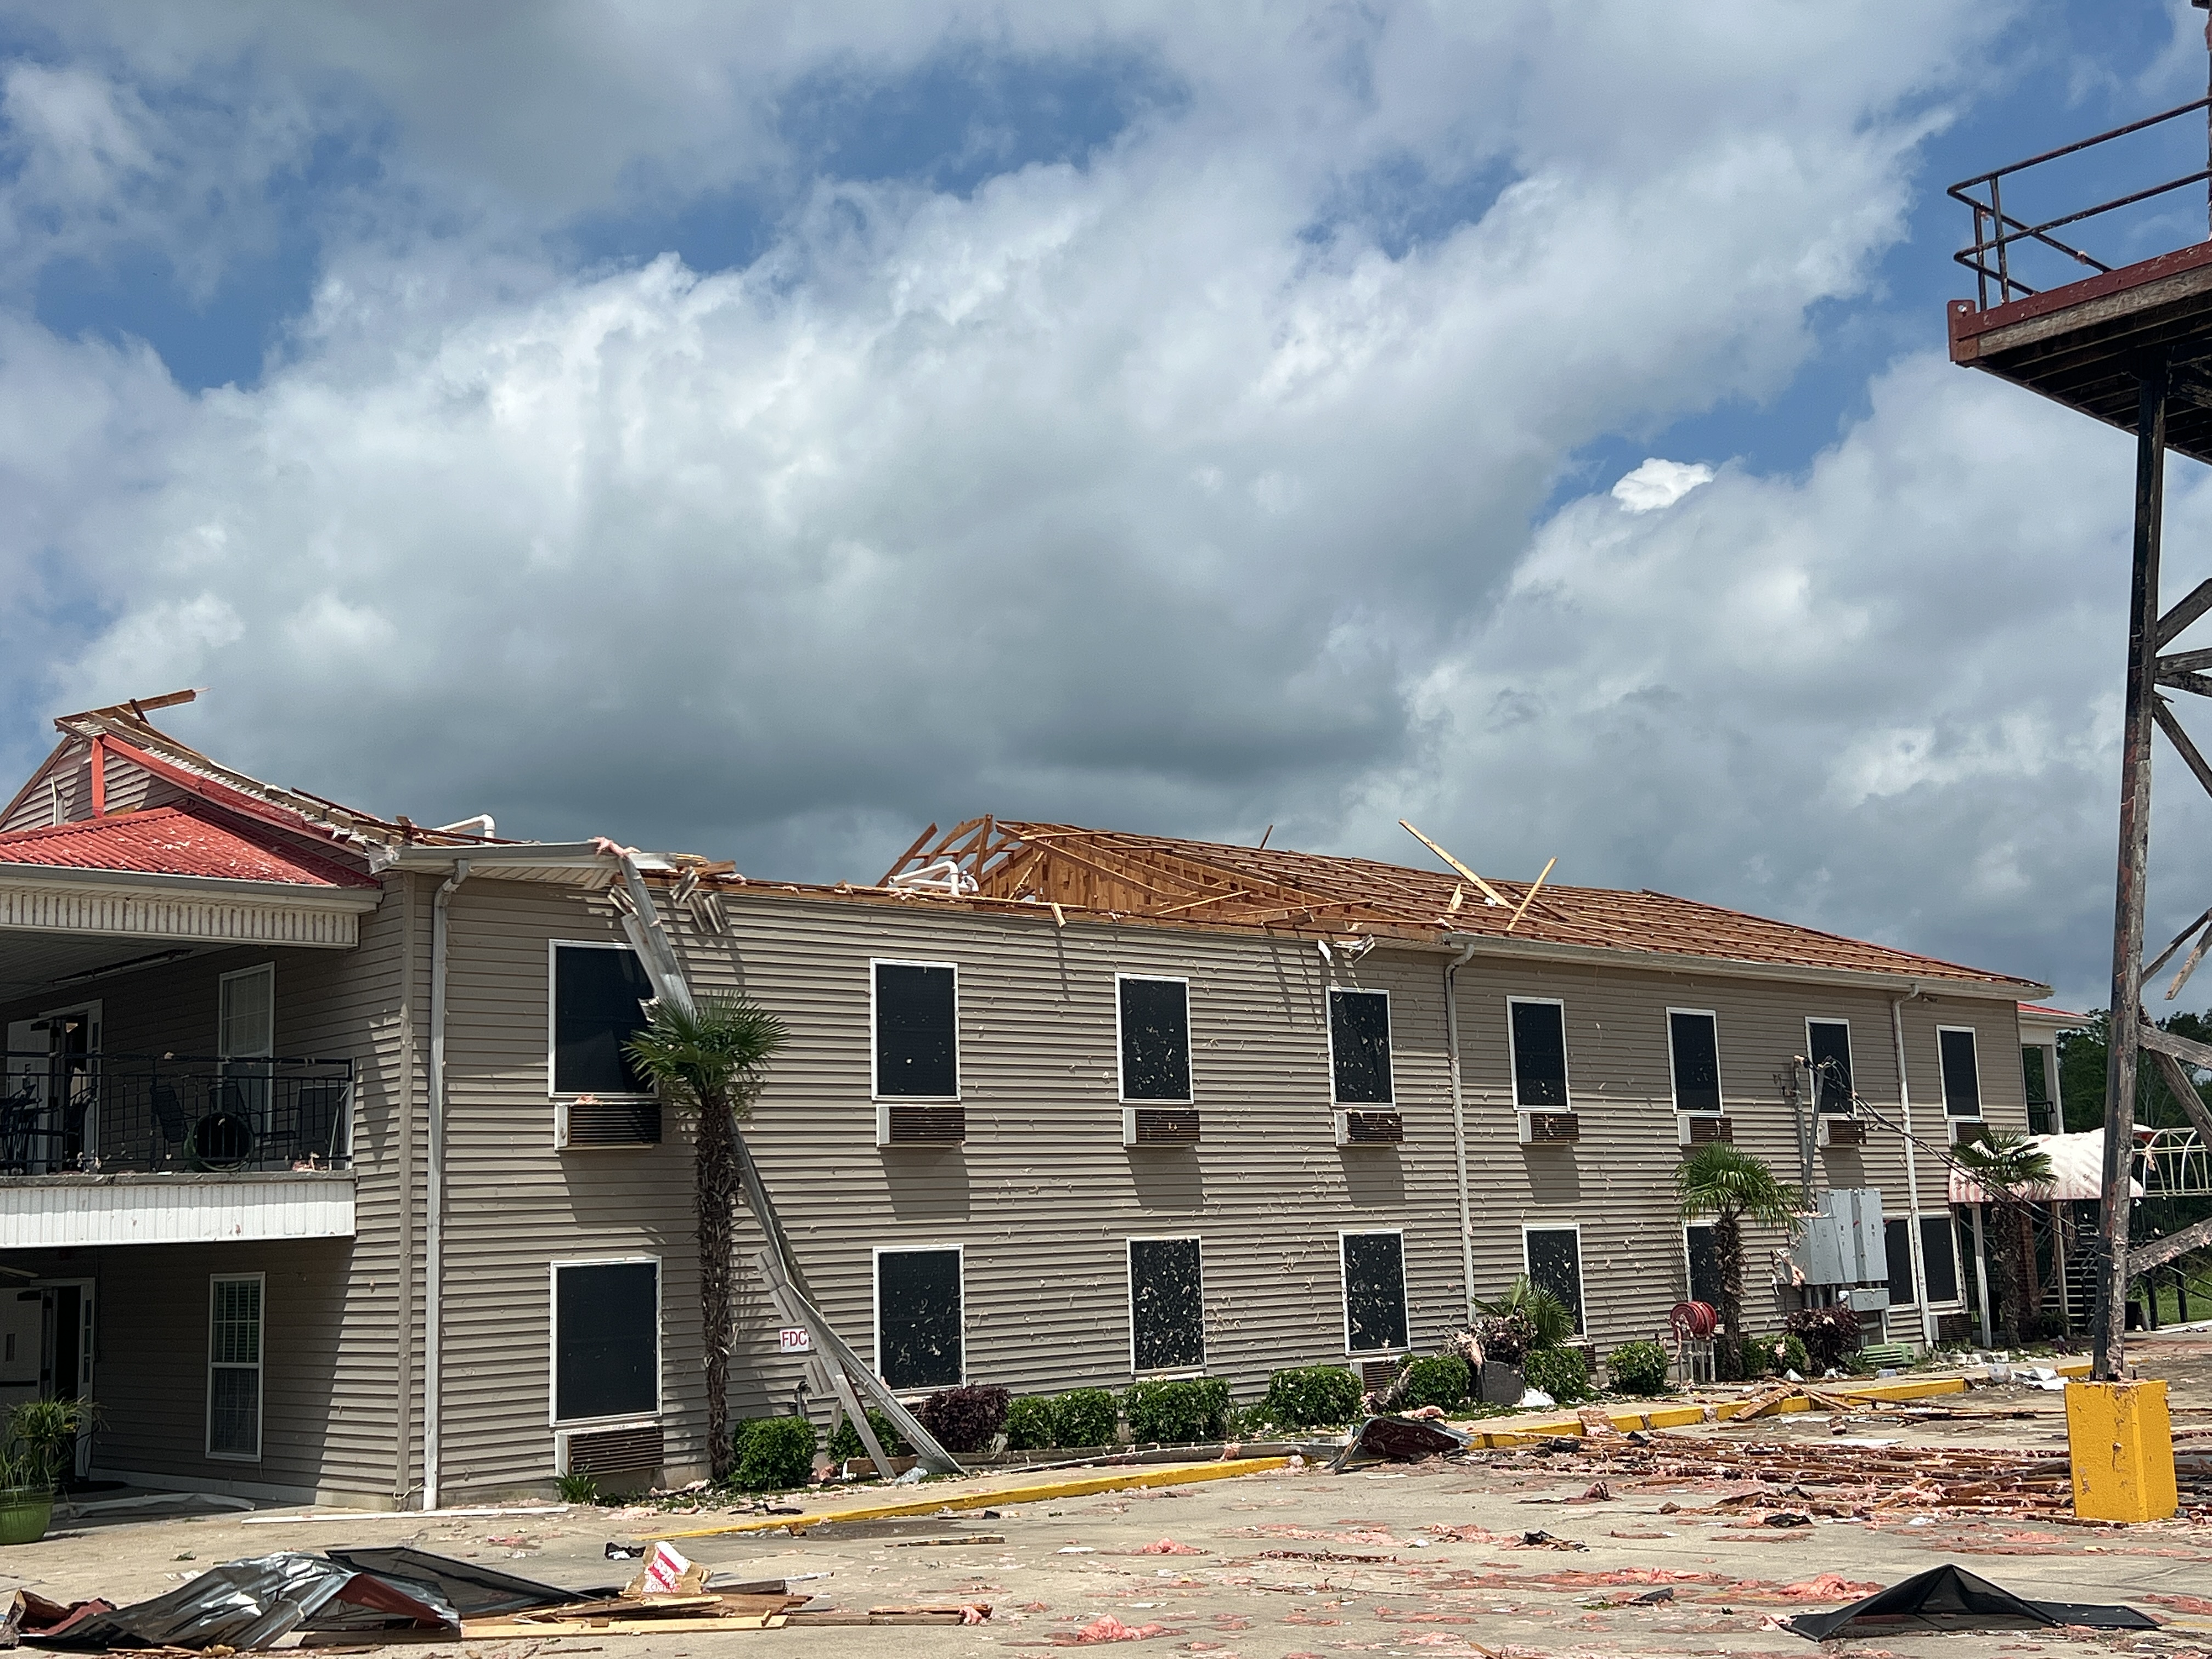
(514, 1205)
(61, 792)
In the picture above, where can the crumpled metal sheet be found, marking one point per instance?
(1402, 1440)
(249, 1604)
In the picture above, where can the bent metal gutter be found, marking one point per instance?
(1459, 1125)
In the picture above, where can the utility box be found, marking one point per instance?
(1844, 1242)
(2120, 1440)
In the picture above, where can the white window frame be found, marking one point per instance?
(1943, 1078)
(1513, 1056)
(1811, 1020)
(1389, 1046)
(876, 1303)
(553, 949)
(1190, 1038)
(260, 1367)
(553, 1342)
(1582, 1288)
(1720, 1088)
(1129, 1276)
(1344, 1292)
(875, 1091)
(264, 970)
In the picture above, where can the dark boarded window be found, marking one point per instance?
(1697, 1053)
(1828, 1046)
(1539, 1054)
(1939, 1260)
(1155, 1039)
(917, 1057)
(1374, 1292)
(918, 1318)
(1962, 1078)
(607, 1352)
(1705, 1265)
(598, 998)
(1555, 1264)
(1359, 1047)
(2036, 1076)
(1896, 1245)
(1167, 1305)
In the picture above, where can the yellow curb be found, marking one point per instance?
(1170, 1474)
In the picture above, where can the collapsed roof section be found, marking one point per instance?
(1164, 879)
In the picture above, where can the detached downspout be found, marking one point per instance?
(1459, 1126)
(434, 1233)
(1911, 1167)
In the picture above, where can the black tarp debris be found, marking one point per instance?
(1949, 1598)
(1401, 1440)
(253, 1602)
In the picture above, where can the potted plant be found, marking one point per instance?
(38, 1438)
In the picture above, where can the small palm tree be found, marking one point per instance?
(1733, 1188)
(2015, 1173)
(711, 1059)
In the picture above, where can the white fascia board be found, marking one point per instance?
(1666, 962)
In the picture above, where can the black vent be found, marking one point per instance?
(614, 1123)
(617, 1451)
(1374, 1129)
(925, 1125)
(1845, 1132)
(1704, 1130)
(1163, 1125)
(1546, 1128)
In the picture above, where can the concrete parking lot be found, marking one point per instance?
(1428, 1559)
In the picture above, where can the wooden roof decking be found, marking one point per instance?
(1164, 879)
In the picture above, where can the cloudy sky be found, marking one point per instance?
(762, 430)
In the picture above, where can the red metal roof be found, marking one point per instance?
(168, 840)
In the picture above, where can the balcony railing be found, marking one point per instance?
(2003, 234)
(117, 1114)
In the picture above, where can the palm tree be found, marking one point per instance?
(711, 1059)
(1733, 1188)
(2015, 1172)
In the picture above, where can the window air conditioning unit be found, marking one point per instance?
(1550, 1128)
(902, 1123)
(1370, 1128)
(635, 1448)
(587, 1122)
(1838, 1130)
(1703, 1129)
(1966, 1131)
(1159, 1125)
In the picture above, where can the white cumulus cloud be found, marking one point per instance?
(1658, 483)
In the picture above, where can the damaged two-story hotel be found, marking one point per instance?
(323, 1171)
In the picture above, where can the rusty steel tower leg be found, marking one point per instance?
(2110, 1325)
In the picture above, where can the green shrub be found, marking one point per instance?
(774, 1454)
(1563, 1373)
(1785, 1352)
(1029, 1423)
(1310, 1397)
(1086, 1417)
(1638, 1368)
(845, 1444)
(1440, 1381)
(1177, 1413)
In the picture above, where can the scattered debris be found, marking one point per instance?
(1106, 1628)
(1169, 1547)
(1401, 1440)
(1545, 1540)
(1949, 1598)
(942, 1543)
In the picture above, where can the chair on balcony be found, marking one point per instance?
(169, 1118)
(321, 1119)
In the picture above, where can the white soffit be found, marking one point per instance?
(51, 1212)
(38, 899)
